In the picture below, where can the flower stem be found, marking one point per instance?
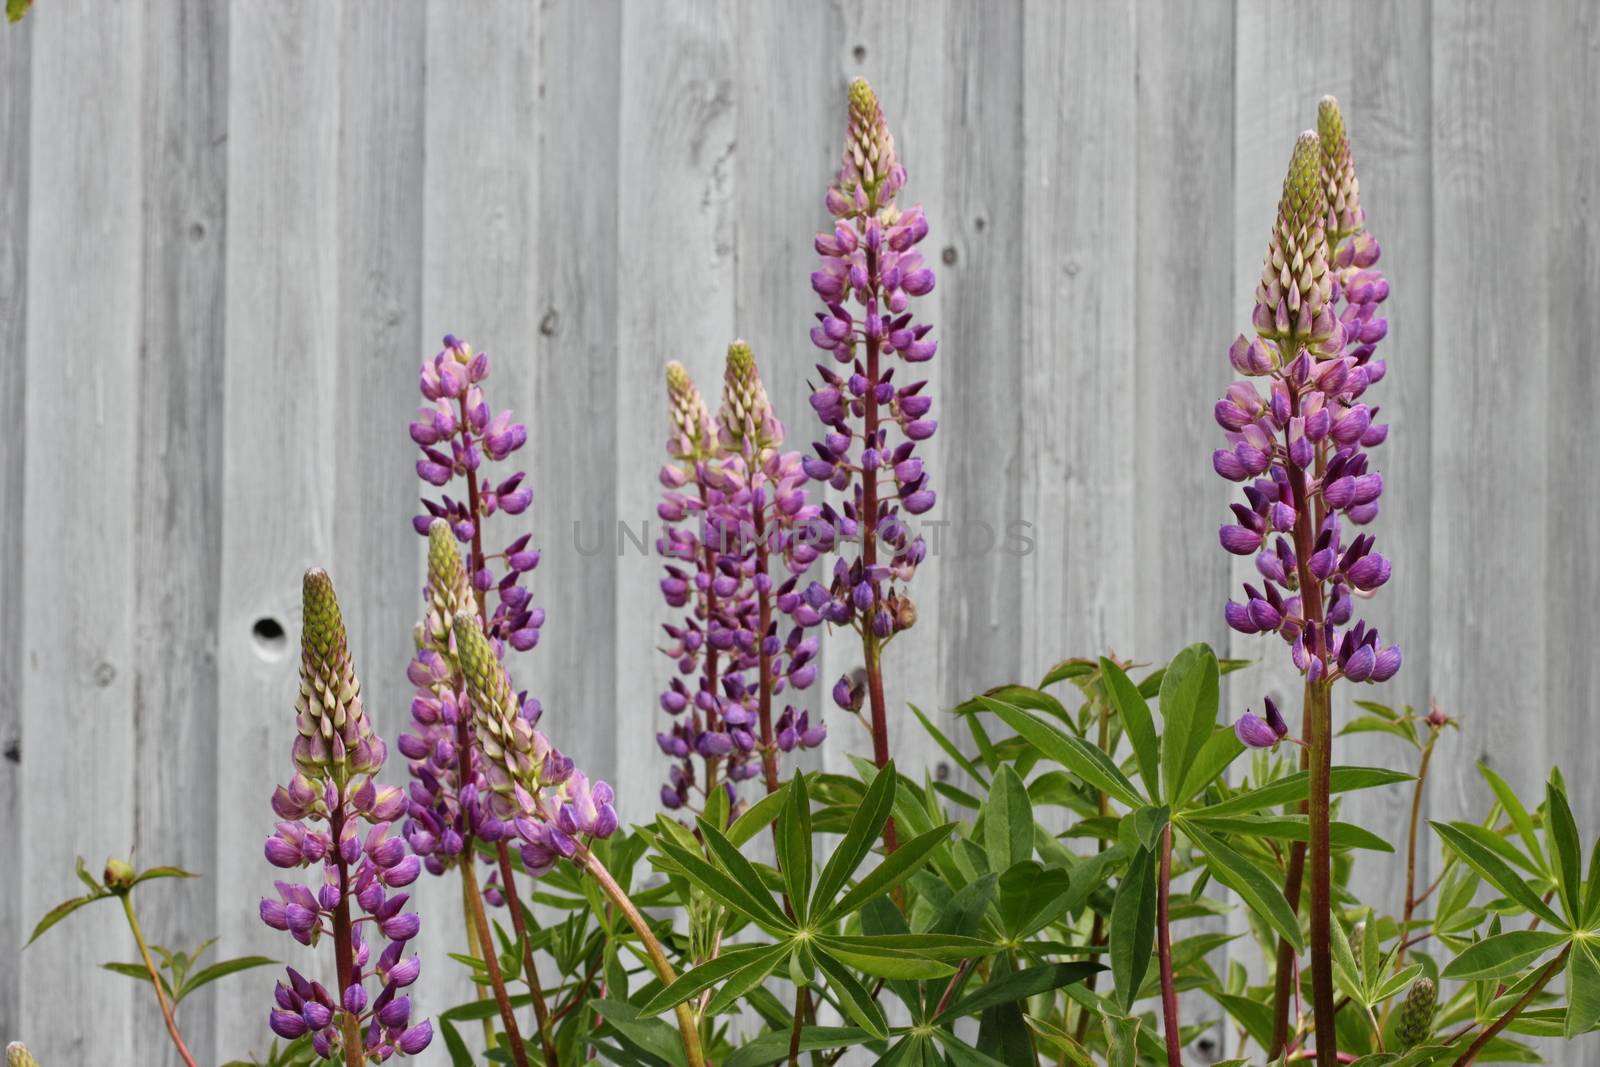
(769, 749)
(688, 1027)
(870, 645)
(1322, 876)
(476, 951)
(155, 980)
(1169, 992)
(491, 959)
(1097, 930)
(343, 949)
(541, 1011)
(1411, 862)
(1550, 971)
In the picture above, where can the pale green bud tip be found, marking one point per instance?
(119, 874)
(1330, 123)
(444, 562)
(478, 663)
(1303, 198)
(324, 626)
(678, 381)
(741, 361)
(863, 101)
(19, 1056)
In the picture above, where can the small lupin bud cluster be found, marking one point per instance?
(533, 789)
(870, 264)
(18, 1056)
(335, 815)
(457, 433)
(733, 504)
(444, 810)
(1416, 1015)
(1300, 449)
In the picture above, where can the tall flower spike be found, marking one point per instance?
(746, 413)
(869, 162)
(334, 816)
(1293, 299)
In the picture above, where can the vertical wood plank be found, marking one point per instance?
(178, 510)
(980, 583)
(577, 365)
(15, 100)
(481, 253)
(675, 296)
(1184, 143)
(78, 645)
(1077, 345)
(1481, 643)
(280, 427)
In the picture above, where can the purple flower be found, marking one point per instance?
(455, 431)
(1300, 448)
(334, 814)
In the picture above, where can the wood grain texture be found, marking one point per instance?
(280, 419)
(230, 232)
(81, 504)
(178, 517)
(15, 97)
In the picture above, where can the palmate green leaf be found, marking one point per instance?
(1561, 835)
(1243, 877)
(1293, 788)
(1019, 985)
(1289, 828)
(1028, 891)
(1133, 926)
(960, 1054)
(1074, 753)
(1253, 1015)
(757, 817)
(895, 868)
(871, 955)
(1583, 989)
(1346, 974)
(1591, 890)
(1516, 812)
(1502, 954)
(1019, 696)
(949, 747)
(1189, 699)
(709, 973)
(1463, 841)
(1137, 722)
(61, 911)
(731, 860)
(747, 978)
(1007, 821)
(746, 899)
(865, 826)
(1218, 752)
(774, 1047)
(794, 846)
(854, 1000)
(936, 945)
(655, 1037)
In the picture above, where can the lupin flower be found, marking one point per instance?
(869, 272)
(1299, 448)
(546, 801)
(1256, 732)
(457, 434)
(748, 508)
(334, 815)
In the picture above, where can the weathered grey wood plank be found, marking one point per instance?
(1077, 347)
(15, 100)
(980, 584)
(78, 646)
(675, 299)
(480, 260)
(281, 412)
(178, 510)
(581, 263)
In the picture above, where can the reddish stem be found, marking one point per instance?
(343, 950)
(541, 1011)
(870, 646)
(769, 747)
(1169, 992)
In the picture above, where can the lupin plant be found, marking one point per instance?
(736, 548)
(1300, 450)
(870, 271)
(337, 756)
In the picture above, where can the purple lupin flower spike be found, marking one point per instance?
(869, 273)
(335, 816)
(1300, 451)
(459, 437)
